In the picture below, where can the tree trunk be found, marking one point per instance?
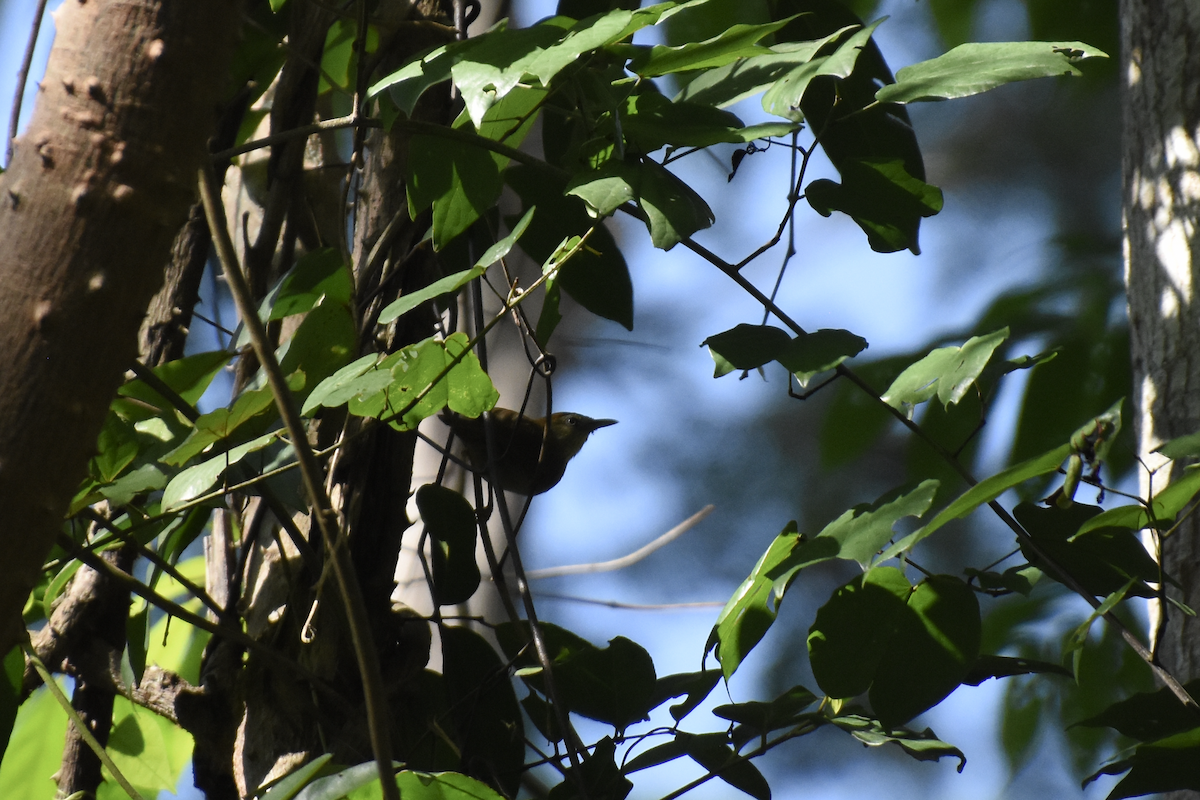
(95, 194)
(1161, 196)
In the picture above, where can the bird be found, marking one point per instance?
(531, 454)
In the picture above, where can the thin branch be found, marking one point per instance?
(705, 604)
(339, 561)
(22, 77)
(627, 560)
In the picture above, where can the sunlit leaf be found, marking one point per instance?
(979, 66)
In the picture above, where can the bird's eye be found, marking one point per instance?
(572, 420)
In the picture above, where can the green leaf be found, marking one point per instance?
(1102, 561)
(983, 492)
(882, 197)
(673, 209)
(249, 408)
(35, 748)
(651, 121)
(615, 684)
(811, 354)
(748, 615)
(597, 276)
(343, 385)
(729, 84)
(935, 643)
(746, 347)
(923, 746)
(443, 286)
(859, 532)
(738, 42)
(137, 631)
(318, 274)
(323, 344)
(188, 376)
(977, 67)
(1165, 506)
(1166, 765)
(851, 631)
(987, 667)
(1148, 716)
(451, 523)
(288, 786)
(442, 786)
(784, 97)
(199, 479)
(696, 685)
(711, 751)
(483, 706)
(459, 180)
(116, 448)
(149, 749)
(1181, 447)
(946, 372)
(757, 719)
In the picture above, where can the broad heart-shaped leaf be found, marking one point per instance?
(983, 492)
(934, 644)
(852, 630)
(947, 372)
(858, 533)
(484, 707)
(1102, 561)
(1167, 765)
(597, 276)
(390, 388)
(923, 746)
(459, 180)
(745, 347)
(738, 42)
(724, 86)
(882, 197)
(748, 615)
(979, 66)
(615, 684)
(1148, 716)
(811, 354)
(450, 520)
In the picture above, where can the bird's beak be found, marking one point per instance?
(601, 423)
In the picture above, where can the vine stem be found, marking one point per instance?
(339, 558)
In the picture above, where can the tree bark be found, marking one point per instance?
(1161, 197)
(97, 189)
